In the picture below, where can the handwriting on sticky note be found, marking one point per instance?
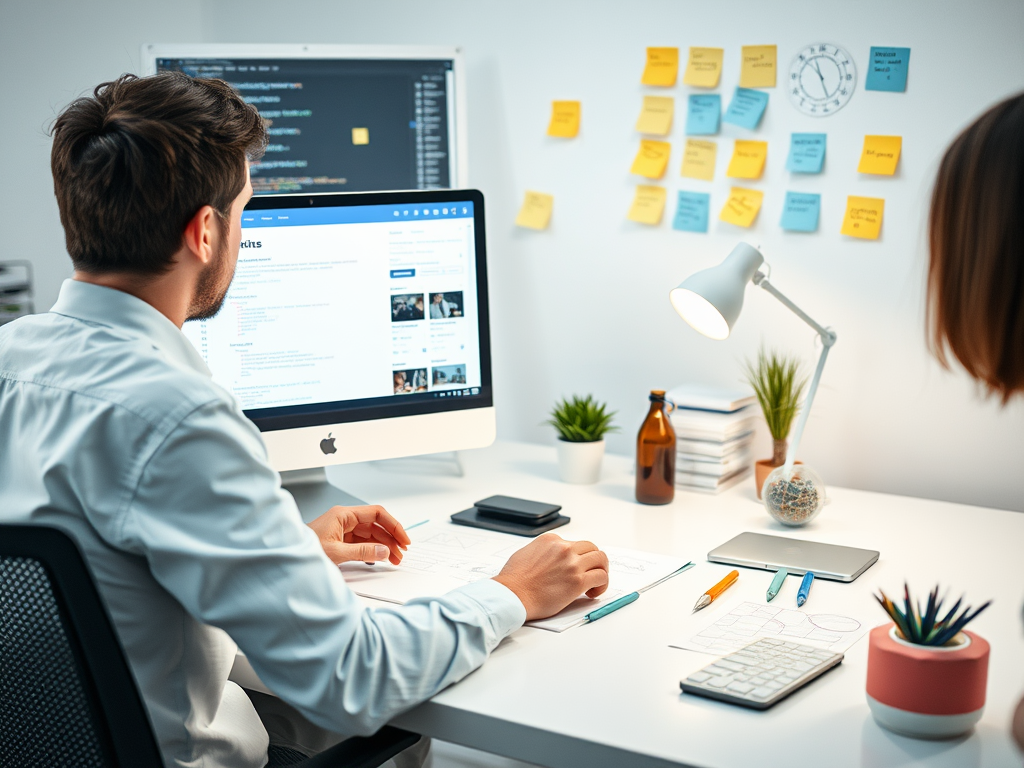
(648, 205)
(536, 211)
(565, 119)
(656, 115)
(801, 211)
(748, 158)
(692, 212)
(651, 159)
(757, 66)
(704, 67)
(887, 69)
(360, 135)
(699, 159)
(746, 108)
(880, 155)
(742, 206)
(662, 67)
(806, 153)
(703, 113)
(863, 217)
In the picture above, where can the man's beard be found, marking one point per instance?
(212, 285)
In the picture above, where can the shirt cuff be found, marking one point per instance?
(504, 610)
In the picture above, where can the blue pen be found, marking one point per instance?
(416, 525)
(805, 589)
(614, 605)
(776, 585)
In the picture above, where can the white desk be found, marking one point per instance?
(607, 694)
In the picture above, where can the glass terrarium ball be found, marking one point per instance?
(794, 497)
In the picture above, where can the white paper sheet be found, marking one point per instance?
(748, 622)
(444, 556)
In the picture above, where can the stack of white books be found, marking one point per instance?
(714, 429)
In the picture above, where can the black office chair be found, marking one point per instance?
(67, 696)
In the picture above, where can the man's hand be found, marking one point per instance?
(366, 534)
(550, 572)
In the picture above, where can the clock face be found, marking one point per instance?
(821, 79)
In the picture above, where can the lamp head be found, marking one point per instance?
(711, 300)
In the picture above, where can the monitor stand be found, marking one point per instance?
(314, 494)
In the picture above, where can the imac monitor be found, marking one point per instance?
(356, 326)
(342, 118)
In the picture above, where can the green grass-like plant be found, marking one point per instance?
(774, 379)
(926, 627)
(582, 419)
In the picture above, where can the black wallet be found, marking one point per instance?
(508, 514)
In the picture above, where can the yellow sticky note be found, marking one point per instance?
(656, 115)
(704, 67)
(536, 211)
(863, 217)
(360, 135)
(757, 66)
(699, 159)
(565, 119)
(648, 205)
(742, 206)
(652, 159)
(662, 66)
(880, 155)
(748, 159)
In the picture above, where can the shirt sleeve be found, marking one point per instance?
(221, 535)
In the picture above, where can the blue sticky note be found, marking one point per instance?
(692, 212)
(887, 69)
(806, 153)
(746, 108)
(703, 113)
(800, 213)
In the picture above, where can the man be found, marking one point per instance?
(111, 428)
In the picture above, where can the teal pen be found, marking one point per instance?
(614, 605)
(416, 525)
(805, 589)
(776, 585)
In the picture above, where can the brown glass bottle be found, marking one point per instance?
(656, 454)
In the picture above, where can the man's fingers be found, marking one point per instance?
(595, 582)
(377, 514)
(582, 547)
(366, 552)
(592, 560)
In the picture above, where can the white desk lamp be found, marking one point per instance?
(711, 300)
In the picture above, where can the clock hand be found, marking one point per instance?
(820, 77)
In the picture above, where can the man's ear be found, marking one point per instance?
(200, 233)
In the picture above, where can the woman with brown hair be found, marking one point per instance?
(976, 272)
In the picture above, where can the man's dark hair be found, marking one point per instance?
(133, 163)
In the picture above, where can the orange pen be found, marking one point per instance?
(712, 594)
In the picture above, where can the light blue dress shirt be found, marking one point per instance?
(112, 429)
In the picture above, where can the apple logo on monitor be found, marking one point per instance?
(327, 444)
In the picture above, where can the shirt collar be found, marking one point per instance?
(117, 309)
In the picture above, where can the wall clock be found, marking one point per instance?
(821, 79)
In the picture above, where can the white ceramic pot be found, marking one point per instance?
(580, 462)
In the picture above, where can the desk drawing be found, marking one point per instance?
(750, 621)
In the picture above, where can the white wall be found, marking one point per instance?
(583, 307)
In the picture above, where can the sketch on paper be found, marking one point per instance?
(751, 621)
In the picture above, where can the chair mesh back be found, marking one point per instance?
(44, 708)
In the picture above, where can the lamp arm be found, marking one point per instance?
(828, 338)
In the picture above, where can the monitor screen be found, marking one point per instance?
(354, 307)
(343, 124)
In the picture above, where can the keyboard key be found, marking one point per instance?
(740, 687)
(699, 677)
(762, 693)
(719, 682)
(774, 685)
(802, 666)
(731, 666)
(759, 680)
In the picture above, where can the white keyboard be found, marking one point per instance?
(761, 674)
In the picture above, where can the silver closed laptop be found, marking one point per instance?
(825, 561)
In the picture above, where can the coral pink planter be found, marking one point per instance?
(925, 692)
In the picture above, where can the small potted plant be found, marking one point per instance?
(926, 674)
(774, 380)
(582, 423)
